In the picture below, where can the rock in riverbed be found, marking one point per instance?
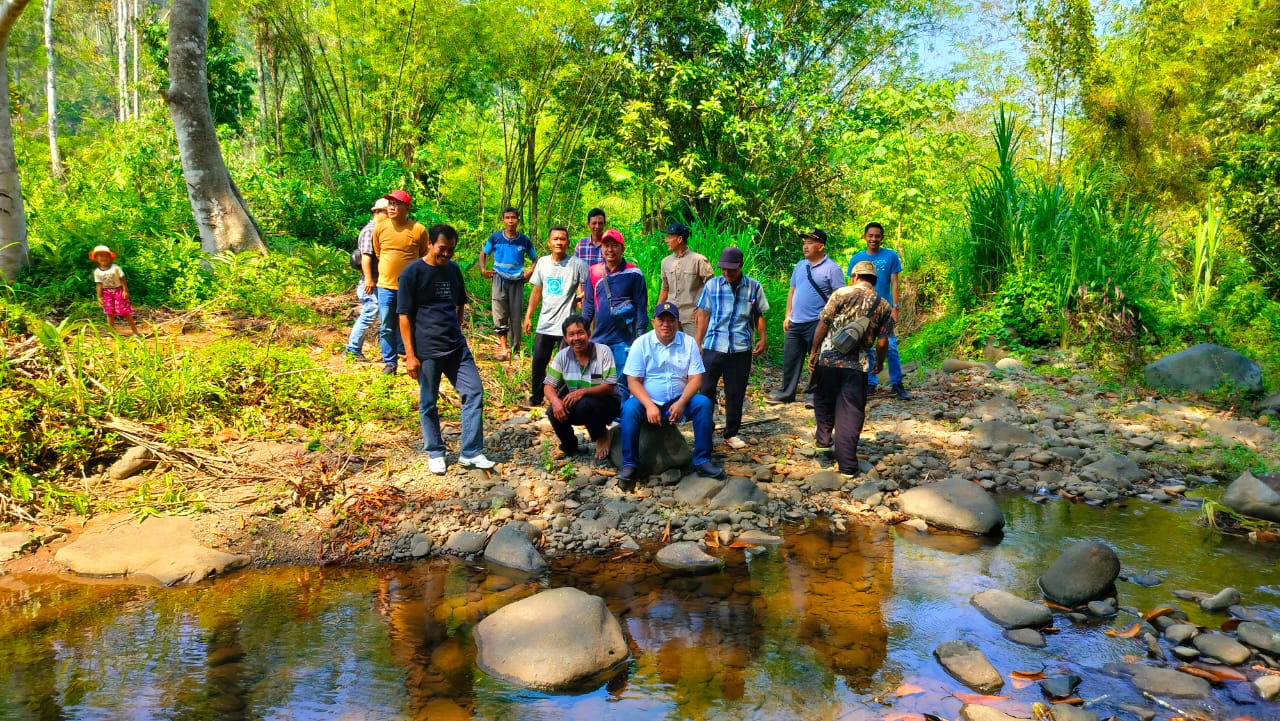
(687, 557)
(1009, 611)
(956, 504)
(969, 666)
(163, 549)
(1256, 496)
(510, 547)
(551, 640)
(1084, 572)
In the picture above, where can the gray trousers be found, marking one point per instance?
(507, 299)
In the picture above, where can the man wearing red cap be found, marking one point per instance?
(397, 241)
(617, 299)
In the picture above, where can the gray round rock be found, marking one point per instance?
(510, 547)
(1009, 611)
(1256, 496)
(969, 666)
(687, 557)
(555, 639)
(1084, 572)
(956, 504)
(1203, 367)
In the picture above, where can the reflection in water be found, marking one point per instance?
(821, 628)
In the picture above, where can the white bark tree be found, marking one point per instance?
(221, 214)
(13, 220)
(122, 59)
(51, 94)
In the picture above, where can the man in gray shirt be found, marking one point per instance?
(813, 281)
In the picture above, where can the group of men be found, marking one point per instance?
(602, 364)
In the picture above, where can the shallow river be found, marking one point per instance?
(825, 627)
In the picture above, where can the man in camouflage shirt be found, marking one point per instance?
(840, 394)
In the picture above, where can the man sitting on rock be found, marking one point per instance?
(664, 370)
(581, 388)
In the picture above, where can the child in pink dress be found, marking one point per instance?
(113, 289)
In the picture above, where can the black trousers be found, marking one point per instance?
(795, 352)
(594, 412)
(840, 404)
(735, 368)
(545, 348)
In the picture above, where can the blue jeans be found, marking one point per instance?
(368, 311)
(699, 411)
(891, 359)
(620, 361)
(389, 327)
(460, 368)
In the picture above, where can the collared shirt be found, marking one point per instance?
(684, 277)
(560, 283)
(364, 243)
(887, 265)
(806, 304)
(733, 310)
(664, 368)
(846, 305)
(566, 373)
(589, 252)
(509, 254)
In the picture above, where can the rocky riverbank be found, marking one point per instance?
(1053, 433)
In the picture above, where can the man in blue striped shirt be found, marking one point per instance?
(729, 307)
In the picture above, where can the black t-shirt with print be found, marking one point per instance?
(430, 296)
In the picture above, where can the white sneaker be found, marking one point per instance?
(478, 461)
(437, 465)
(735, 442)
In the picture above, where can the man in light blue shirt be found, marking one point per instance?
(888, 266)
(664, 370)
(813, 280)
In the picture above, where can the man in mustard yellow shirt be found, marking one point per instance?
(397, 241)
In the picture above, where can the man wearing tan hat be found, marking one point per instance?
(397, 241)
(366, 291)
(838, 360)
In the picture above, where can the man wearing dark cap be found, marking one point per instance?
(729, 308)
(664, 370)
(397, 241)
(683, 274)
(813, 281)
(840, 376)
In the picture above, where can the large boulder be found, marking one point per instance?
(993, 433)
(510, 547)
(1260, 636)
(1084, 572)
(1256, 496)
(661, 448)
(1009, 611)
(697, 490)
(954, 503)
(1167, 682)
(1203, 367)
(162, 549)
(1115, 468)
(556, 639)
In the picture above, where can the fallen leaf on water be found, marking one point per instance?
(1264, 669)
(1129, 632)
(1157, 613)
(1225, 673)
(1028, 675)
(900, 716)
(1050, 629)
(1263, 537)
(978, 698)
(1230, 624)
(712, 539)
(1056, 606)
(1244, 718)
(666, 533)
(1073, 701)
(908, 689)
(1206, 675)
(741, 544)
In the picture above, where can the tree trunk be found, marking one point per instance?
(133, 37)
(224, 221)
(122, 59)
(51, 94)
(13, 220)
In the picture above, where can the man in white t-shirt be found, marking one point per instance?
(556, 280)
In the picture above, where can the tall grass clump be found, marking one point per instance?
(1031, 244)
